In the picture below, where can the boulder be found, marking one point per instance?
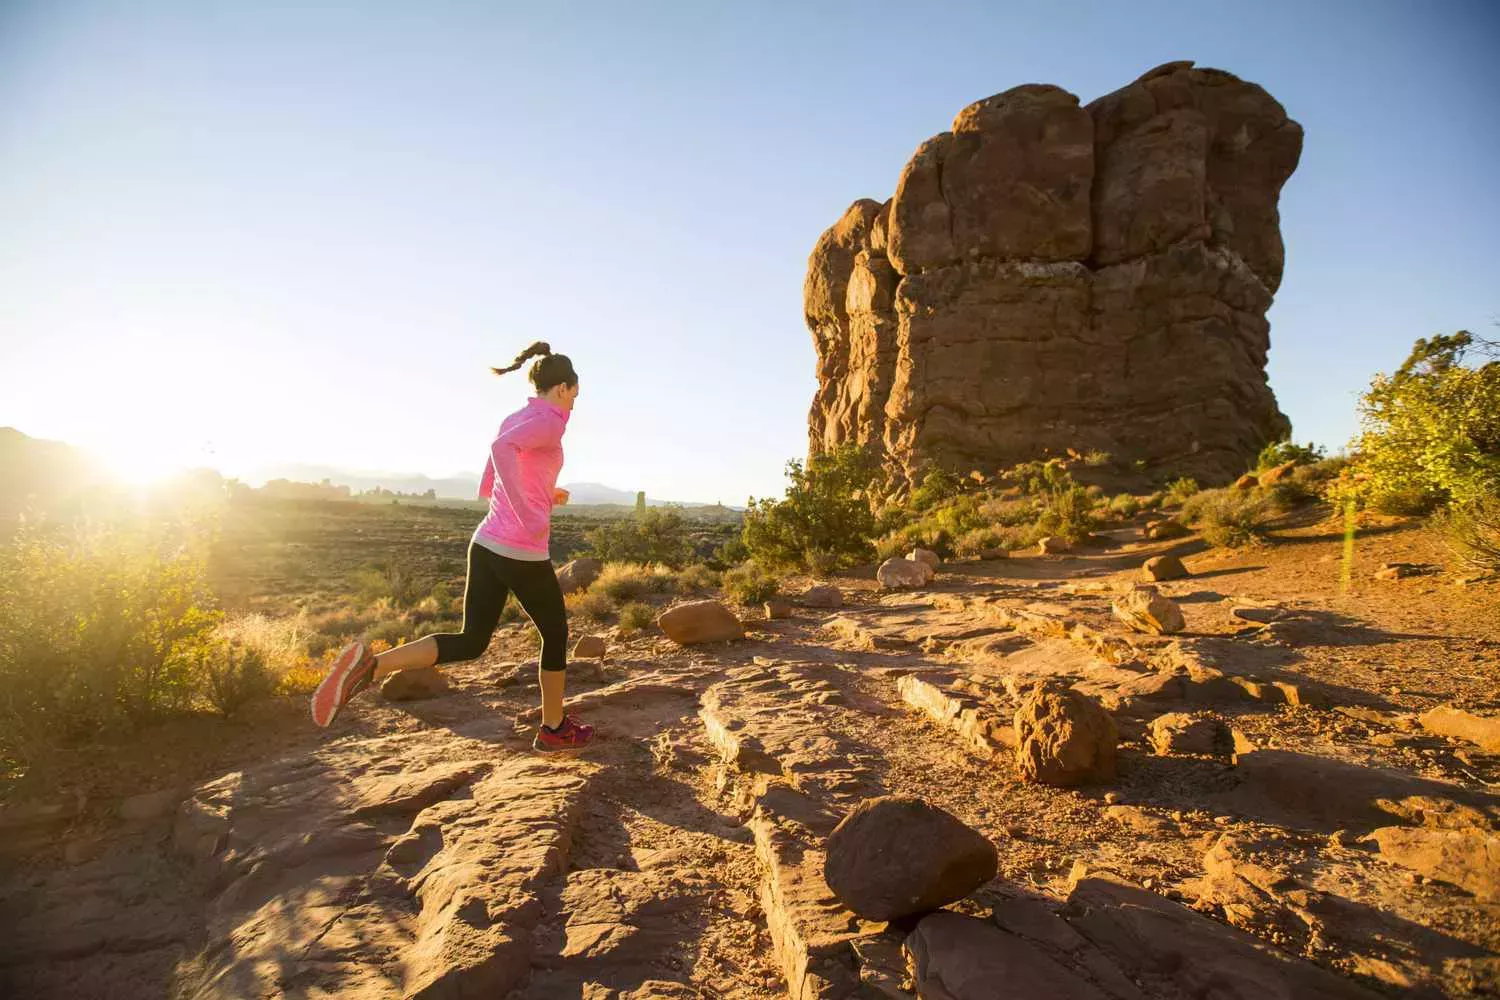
(1064, 738)
(892, 856)
(1247, 482)
(927, 556)
(1146, 610)
(1163, 568)
(1180, 733)
(1051, 546)
(412, 685)
(700, 621)
(1469, 859)
(1276, 473)
(896, 573)
(823, 595)
(578, 574)
(1445, 720)
(1165, 529)
(994, 553)
(778, 607)
(589, 647)
(150, 805)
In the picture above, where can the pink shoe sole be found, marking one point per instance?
(338, 686)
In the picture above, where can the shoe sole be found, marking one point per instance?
(546, 751)
(331, 694)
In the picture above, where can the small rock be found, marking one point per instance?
(1163, 568)
(1259, 614)
(589, 647)
(1180, 733)
(994, 552)
(823, 596)
(927, 556)
(1397, 570)
(1113, 798)
(1146, 610)
(1064, 738)
(578, 574)
(1247, 482)
(410, 685)
(894, 855)
(778, 608)
(700, 621)
(896, 573)
(1052, 546)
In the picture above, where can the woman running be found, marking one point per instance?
(508, 554)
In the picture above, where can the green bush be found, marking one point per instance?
(1009, 512)
(937, 486)
(650, 535)
(695, 578)
(1473, 532)
(825, 510)
(590, 604)
(751, 583)
(235, 675)
(1178, 492)
(1280, 452)
(1430, 433)
(1230, 518)
(635, 616)
(1097, 459)
(390, 580)
(99, 627)
(1125, 505)
(624, 581)
(973, 542)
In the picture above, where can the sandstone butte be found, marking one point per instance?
(1050, 275)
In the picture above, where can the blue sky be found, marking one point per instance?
(236, 233)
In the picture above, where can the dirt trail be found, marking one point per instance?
(422, 850)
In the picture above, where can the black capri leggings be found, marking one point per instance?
(493, 577)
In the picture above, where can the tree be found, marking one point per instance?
(825, 516)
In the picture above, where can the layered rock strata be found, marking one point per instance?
(1052, 276)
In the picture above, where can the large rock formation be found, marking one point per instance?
(1050, 276)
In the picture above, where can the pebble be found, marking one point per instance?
(1113, 798)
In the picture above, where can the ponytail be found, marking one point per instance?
(541, 347)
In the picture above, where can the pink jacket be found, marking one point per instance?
(522, 473)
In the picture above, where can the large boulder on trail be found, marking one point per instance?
(896, 855)
(896, 573)
(700, 621)
(578, 574)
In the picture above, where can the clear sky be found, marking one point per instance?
(233, 233)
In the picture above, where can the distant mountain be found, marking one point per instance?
(459, 487)
(43, 473)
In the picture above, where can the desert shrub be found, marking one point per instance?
(1154, 500)
(283, 644)
(1430, 433)
(695, 578)
(1009, 512)
(751, 583)
(973, 542)
(440, 625)
(1473, 533)
(623, 581)
(1280, 452)
(391, 580)
(1125, 505)
(234, 675)
(1178, 491)
(1290, 493)
(99, 627)
(1097, 459)
(937, 486)
(650, 535)
(636, 615)
(1229, 518)
(590, 603)
(1068, 512)
(826, 509)
(392, 631)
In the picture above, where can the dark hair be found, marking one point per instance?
(548, 370)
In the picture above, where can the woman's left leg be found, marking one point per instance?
(536, 588)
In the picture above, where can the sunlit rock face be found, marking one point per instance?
(1052, 276)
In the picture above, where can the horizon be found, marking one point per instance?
(251, 237)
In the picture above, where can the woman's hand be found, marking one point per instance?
(559, 496)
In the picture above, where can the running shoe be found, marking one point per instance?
(571, 735)
(350, 673)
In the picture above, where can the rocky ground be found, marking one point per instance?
(1288, 817)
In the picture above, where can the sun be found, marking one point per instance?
(145, 462)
